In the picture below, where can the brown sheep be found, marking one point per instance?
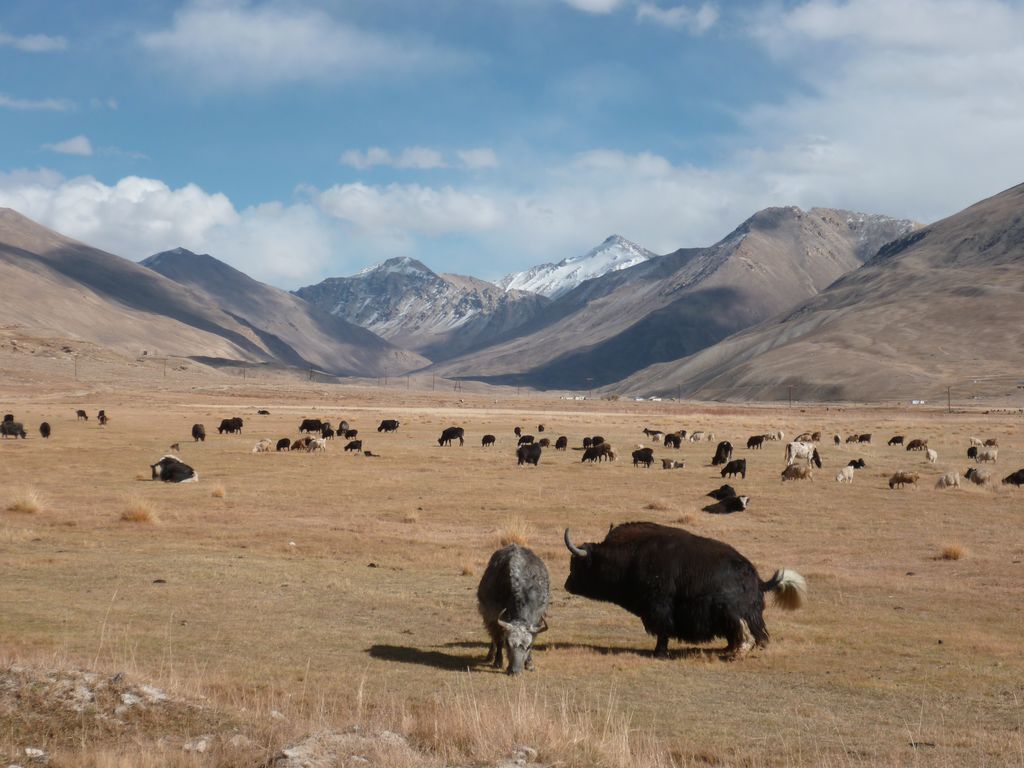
(797, 472)
(900, 479)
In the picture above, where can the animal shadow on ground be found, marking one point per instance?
(427, 658)
(688, 652)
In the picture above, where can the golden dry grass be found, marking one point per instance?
(28, 501)
(952, 552)
(372, 620)
(517, 530)
(218, 492)
(138, 510)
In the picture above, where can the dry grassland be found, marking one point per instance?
(335, 589)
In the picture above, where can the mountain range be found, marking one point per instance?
(670, 306)
(836, 304)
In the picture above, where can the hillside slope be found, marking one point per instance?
(941, 306)
(53, 282)
(291, 328)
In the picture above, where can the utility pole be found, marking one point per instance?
(949, 401)
(310, 374)
(76, 367)
(790, 395)
(590, 387)
(165, 367)
(433, 382)
(407, 381)
(385, 375)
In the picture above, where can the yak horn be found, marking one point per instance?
(503, 624)
(572, 547)
(542, 628)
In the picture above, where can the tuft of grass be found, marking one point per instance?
(952, 552)
(517, 531)
(686, 518)
(411, 516)
(659, 505)
(468, 569)
(219, 492)
(138, 510)
(28, 501)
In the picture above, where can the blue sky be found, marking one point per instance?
(298, 139)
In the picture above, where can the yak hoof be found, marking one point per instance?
(661, 649)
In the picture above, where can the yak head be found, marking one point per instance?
(519, 637)
(587, 573)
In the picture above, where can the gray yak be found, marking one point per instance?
(513, 597)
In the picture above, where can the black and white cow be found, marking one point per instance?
(171, 469)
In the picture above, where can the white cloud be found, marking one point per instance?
(51, 105)
(936, 25)
(696, 21)
(595, 6)
(136, 217)
(410, 209)
(108, 103)
(363, 160)
(76, 145)
(478, 158)
(909, 107)
(33, 43)
(420, 158)
(232, 43)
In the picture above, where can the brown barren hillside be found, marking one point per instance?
(673, 305)
(942, 306)
(53, 282)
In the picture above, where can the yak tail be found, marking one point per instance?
(790, 589)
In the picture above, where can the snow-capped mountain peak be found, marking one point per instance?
(401, 265)
(553, 280)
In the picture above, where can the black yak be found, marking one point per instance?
(681, 586)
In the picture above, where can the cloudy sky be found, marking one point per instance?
(298, 139)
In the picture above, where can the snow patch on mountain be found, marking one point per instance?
(553, 280)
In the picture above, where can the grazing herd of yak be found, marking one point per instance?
(682, 586)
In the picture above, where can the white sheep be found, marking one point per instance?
(990, 454)
(949, 480)
(263, 446)
(933, 455)
(845, 475)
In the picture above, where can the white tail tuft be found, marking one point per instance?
(791, 591)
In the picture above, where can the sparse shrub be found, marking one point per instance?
(659, 505)
(952, 552)
(412, 516)
(138, 510)
(686, 519)
(517, 531)
(468, 569)
(219, 492)
(28, 501)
